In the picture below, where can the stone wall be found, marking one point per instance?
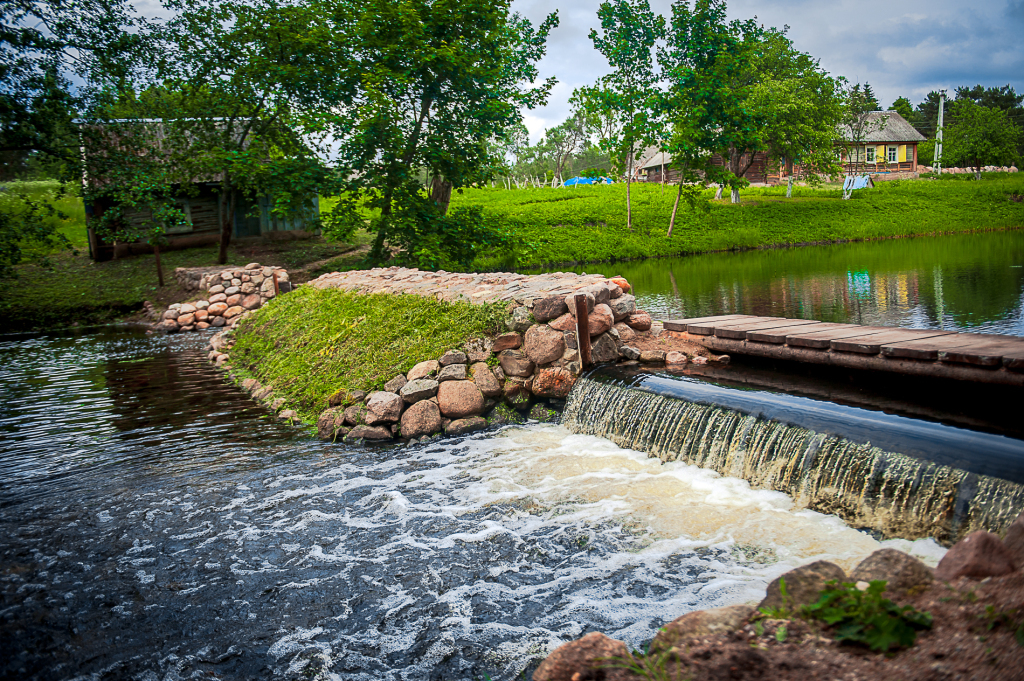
(230, 292)
(959, 171)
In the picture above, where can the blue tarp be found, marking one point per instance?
(585, 180)
(858, 182)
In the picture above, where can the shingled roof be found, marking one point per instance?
(885, 126)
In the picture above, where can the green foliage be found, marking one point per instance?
(904, 108)
(868, 618)
(977, 136)
(30, 223)
(312, 343)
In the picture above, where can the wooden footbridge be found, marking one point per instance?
(978, 357)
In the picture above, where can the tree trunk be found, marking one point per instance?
(718, 192)
(675, 207)
(789, 188)
(735, 198)
(629, 207)
(159, 266)
(227, 200)
(441, 193)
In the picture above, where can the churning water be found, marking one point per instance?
(156, 524)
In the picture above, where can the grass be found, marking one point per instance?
(313, 343)
(588, 223)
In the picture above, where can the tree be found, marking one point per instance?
(567, 139)
(904, 108)
(438, 79)
(857, 123)
(977, 136)
(629, 31)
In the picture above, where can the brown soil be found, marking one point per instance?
(669, 341)
(973, 637)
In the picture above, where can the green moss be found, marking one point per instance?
(312, 343)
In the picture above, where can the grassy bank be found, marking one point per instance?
(588, 223)
(312, 343)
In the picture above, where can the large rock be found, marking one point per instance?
(803, 585)
(329, 423)
(600, 291)
(544, 344)
(234, 300)
(355, 415)
(186, 319)
(548, 308)
(1014, 541)
(419, 389)
(604, 349)
(517, 394)
(600, 320)
(423, 369)
(218, 298)
(901, 572)
(591, 658)
(978, 555)
(507, 341)
(639, 320)
(370, 433)
(459, 399)
(521, 320)
(452, 372)
(516, 363)
(553, 383)
(564, 323)
(251, 301)
(678, 633)
(622, 307)
(628, 352)
(186, 308)
(382, 407)
(464, 426)
(675, 357)
(652, 356)
(482, 375)
(201, 315)
(422, 418)
(570, 301)
(479, 350)
(396, 384)
(452, 357)
(232, 311)
(626, 334)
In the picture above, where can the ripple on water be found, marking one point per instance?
(185, 531)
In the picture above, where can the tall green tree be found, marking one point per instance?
(978, 136)
(904, 108)
(629, 31)
(438, 79)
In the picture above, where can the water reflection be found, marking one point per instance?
(972, 282)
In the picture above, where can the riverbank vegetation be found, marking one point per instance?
(314, 343)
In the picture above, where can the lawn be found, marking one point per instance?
(588, 223)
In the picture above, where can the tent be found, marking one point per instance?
(571, 182)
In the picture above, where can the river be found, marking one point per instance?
(157, 524)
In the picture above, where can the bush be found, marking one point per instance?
(866, 617)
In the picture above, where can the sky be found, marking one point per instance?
(901, 47)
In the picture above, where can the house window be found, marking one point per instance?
(891, 154)
(869, 155)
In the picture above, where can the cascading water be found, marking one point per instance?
(916, 480)
(157, 524)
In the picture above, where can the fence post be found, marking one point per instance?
(583, 329)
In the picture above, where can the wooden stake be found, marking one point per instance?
(583, 329)
(277, 289)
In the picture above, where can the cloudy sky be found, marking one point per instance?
(902, 47)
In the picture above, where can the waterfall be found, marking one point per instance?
(890, 492)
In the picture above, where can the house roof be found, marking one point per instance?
(885, 126)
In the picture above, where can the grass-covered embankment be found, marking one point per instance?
(312, 343)
(588, 223)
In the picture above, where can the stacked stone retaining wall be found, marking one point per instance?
(231, 292)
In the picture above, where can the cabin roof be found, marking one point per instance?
(885, 126)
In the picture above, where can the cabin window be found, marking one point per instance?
(891, 154)
(869, 155)
(185, 207)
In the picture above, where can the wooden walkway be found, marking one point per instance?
(979, 357)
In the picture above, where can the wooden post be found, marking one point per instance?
(277, 289)
(583, 329)
(159, 267)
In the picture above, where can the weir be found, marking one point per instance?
(896, 476)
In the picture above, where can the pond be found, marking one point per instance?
(972, 282)
(156, 523)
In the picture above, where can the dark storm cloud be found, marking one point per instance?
(902, 47)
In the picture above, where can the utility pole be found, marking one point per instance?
(938, 134)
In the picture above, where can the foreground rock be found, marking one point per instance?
(978, 555)
(802, 585)
(902, 573)
(588, 659)
(679, 633)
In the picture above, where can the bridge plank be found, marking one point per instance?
(711, 327)
(929, 348)
(871, 344)
(739, 330)
(821, 340)
(986, 350)
(681, 324)
(778, 336)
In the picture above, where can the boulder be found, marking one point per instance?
(419, 389)
(521, 320)
(233, 312)
(978, 555)
(217, 309)
(507, 341)
(382, 407)
(600, 320)
(553, 383)
(694, 625)
(570, 301)
(251, 301)
(422, 418)
(201, 315)
(546, 309)
(355, 414)
(202, 304)
(517, 394)
(289, 415)
(621, 283)
(1014, 541)
(232, 290)
(627, 352)
(186, 308)
(452, 372)
(478, 350)
(216, 288)
(186, 319)
(168, 326)
(459, 399)
(370, 433)
(190, 327)
(564, 323)
(482, 375)
(423, 369)
(626, 334)
(217, 321)
(171, 314)
(803, 585)
(464, 426)
(395, 384)
(234, 300)
(675, 358)
(601, 293)
(652, 356)
(515, 363)
(544, 344)
(543, 413)
(590, 658)
(700, 359)
(452, 357)
(217, 298)
(901, 572)
(604, 349)
(622, 307)
(639, 320)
